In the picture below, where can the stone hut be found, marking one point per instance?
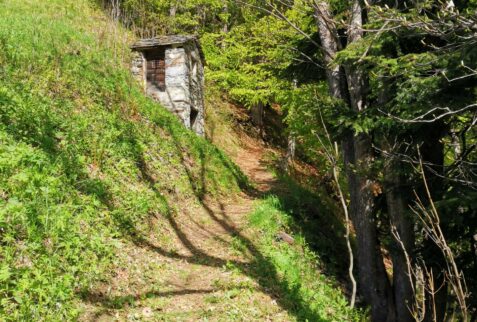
(171, 69)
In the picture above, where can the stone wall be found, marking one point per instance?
(176, 96)
(196, 81)
(138, 67)
(184, 79)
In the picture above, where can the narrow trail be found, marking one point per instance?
(199, 264)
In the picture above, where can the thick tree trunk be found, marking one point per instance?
(403, 246)
(256, 112)
(402, 225)
(357, 156)
(330, 46)
(432, 152)
(373, 278)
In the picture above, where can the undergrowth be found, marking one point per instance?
(85, 158)
(312, 295)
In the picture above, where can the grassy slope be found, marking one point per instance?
(305, 274)
(312, 294)
(85, 159)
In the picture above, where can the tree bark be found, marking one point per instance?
(373, 278)
(401, 221)
(330, 46)
(172, 10)
(290, 154)
(256, 112)
(351, 86)
(225, 11)
(403, 245)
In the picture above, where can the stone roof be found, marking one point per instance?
(162, 41)
(149, 43)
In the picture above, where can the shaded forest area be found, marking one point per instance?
(394, 85)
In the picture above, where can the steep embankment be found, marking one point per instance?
(221, 260)
(109, 209)
(85, 160)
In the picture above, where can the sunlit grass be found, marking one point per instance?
(85, 158)
(311, 295)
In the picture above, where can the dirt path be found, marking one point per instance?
(253, 164)
(196, 265)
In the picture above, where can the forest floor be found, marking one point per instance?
(202, 264)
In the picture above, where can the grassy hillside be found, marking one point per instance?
(87, 164)
(85, 159)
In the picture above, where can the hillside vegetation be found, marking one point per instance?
(88, 165)
(379, 99)
(85, 159)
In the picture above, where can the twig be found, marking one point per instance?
(333, 159)
(422, 118)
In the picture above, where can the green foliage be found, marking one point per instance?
(306, 108)
(151, 17)
(314, 295)
(85, 158)
(421, 65)
(246, 61)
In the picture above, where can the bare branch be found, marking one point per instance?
(431, 222)
(422, 118)
(333, 157)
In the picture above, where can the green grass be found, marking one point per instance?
(85, 159)
(297, 270)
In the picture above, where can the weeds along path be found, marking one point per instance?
(198, 264)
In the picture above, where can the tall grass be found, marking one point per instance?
(85, 159)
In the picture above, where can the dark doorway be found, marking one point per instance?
(156, 68)
(193, 117)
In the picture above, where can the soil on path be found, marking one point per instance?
(199, 264)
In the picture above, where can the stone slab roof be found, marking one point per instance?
(160, 41)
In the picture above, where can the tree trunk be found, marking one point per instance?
(172, 15)
(330, 46)
(225, 11)
(290, 155)
(256, 112)
(373, 278)
(402, 224)
(403, 246)
(357, 157)
(172, 10)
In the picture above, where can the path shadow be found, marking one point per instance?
(257, 266)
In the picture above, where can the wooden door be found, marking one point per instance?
(156, 69)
